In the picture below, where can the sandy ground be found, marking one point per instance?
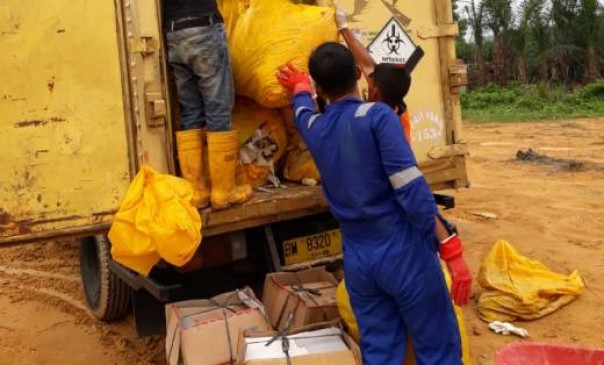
(551, 212)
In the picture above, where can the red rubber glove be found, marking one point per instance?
(451, 251)
(294, 80)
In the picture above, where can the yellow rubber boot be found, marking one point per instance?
(222, 160)
(190, 156)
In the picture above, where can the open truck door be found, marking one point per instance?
(82, 104)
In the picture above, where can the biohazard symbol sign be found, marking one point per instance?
(394, 40)
(392, 45)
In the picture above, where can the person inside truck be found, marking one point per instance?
(199, 59)
(387, 83)
(392, 230)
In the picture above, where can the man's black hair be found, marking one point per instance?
(393, 83)
(333, 68)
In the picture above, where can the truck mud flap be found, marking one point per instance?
(148, 300)
(163, 293)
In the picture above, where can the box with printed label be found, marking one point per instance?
(205, 332)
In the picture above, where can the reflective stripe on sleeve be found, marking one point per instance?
(404, 177)
(312, 119)
(301, 109)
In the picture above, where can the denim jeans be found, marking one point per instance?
(201, 66)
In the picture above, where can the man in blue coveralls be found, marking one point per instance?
(391, 226)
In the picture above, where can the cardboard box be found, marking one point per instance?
(309, 295)
(206, 332)
(319, 344)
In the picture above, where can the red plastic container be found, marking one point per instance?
(548, 354)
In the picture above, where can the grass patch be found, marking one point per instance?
(532, 102)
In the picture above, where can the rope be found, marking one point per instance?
(315, 292)
(225, 306)
(228, 334)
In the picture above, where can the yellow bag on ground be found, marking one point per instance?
(268, 34)
(299, 164)
(263, 141)
(351, 323)
(517, 287)
(156, 220)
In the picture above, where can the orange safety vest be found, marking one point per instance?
(406, 125)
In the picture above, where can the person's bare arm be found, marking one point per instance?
(442, 233)
(360, 53)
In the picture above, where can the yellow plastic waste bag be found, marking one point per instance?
(230, 11)
(351, 323)
(156, 220)
(299, 164)
(268, 34)
(263, 141)
(517, 287)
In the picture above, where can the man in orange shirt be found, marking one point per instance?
(387, 83)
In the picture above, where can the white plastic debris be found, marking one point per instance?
(259, 150)
(505, 328)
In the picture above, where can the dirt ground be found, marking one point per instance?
(551, 210)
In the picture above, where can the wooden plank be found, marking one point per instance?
(445, 30)
(265, 208)
(299, 201)
(446, 46)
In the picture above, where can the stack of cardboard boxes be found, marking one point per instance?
(297, 323)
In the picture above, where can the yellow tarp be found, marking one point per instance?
(264, 35)
(517, 287)
(351, 323)
(156, 220)
(263, 130)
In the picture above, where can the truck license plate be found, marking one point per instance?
(314, 247)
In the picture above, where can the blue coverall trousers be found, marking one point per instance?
(396, 289)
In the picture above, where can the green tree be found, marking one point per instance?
(565, 55)
(519, 36)
(541, 36)
(589, 25)
(498, 18)
(475, 22)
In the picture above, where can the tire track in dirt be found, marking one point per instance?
(48, 273)
(37, 273)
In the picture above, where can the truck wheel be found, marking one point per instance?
(107, 295)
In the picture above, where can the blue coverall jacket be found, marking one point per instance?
(387, 216)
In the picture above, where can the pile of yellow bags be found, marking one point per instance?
(353, 329)
(156, 220)
(264, 35)
(517, 287)
(299, 164)
(263, 139)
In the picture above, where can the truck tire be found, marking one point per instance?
(107, 295)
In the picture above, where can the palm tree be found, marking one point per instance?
(564, 29)
(589, 26)
(499, 19)
(538, 22)
(519, 39)
(475, 20)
